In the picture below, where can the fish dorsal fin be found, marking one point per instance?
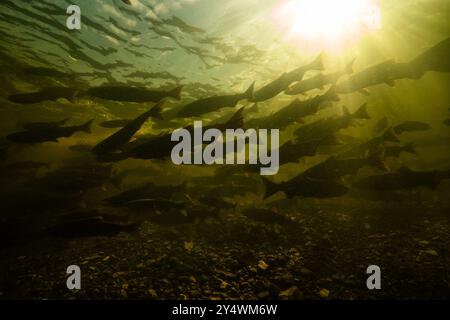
(349, 66)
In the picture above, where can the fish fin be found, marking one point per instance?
(390, 136)
(176, 93)
(249, 93)
(331, 94)
(237, 120)
(362, 113)
(410, 148)
(156, 111)
(87, 126)
(349, 67)
(318, 63)
(254, 108)
(364, 92)
(271, 188)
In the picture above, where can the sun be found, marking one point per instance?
(326, 24)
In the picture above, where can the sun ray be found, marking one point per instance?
(326, 24)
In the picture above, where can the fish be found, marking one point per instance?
(292, 151)
(319, 81)
(49, 134)
(403, 179)
(44, 125)
(267, 216)
(215, 103)
(182, 25)
(435, 58)
(45, 72)
(147, 191)
(128, 2)
(411, 126)
(323, 130)
(46, 94)
(294, 112)
(383, 73)
(161, 146)
(91, 227)
(305, 187)
(114, 124)
(284, 81)
(133, 94)
(334, 168)
(121, 137)
(371, 146)
(396, 151)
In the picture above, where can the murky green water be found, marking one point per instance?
(214, 48)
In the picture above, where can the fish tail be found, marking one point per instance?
(176, 93)
(87, 126)
(362, 113)
(249, 93)
(156, 111)
(270, 188)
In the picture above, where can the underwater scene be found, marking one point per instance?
(225, 150)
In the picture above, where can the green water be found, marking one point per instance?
(213, 48)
